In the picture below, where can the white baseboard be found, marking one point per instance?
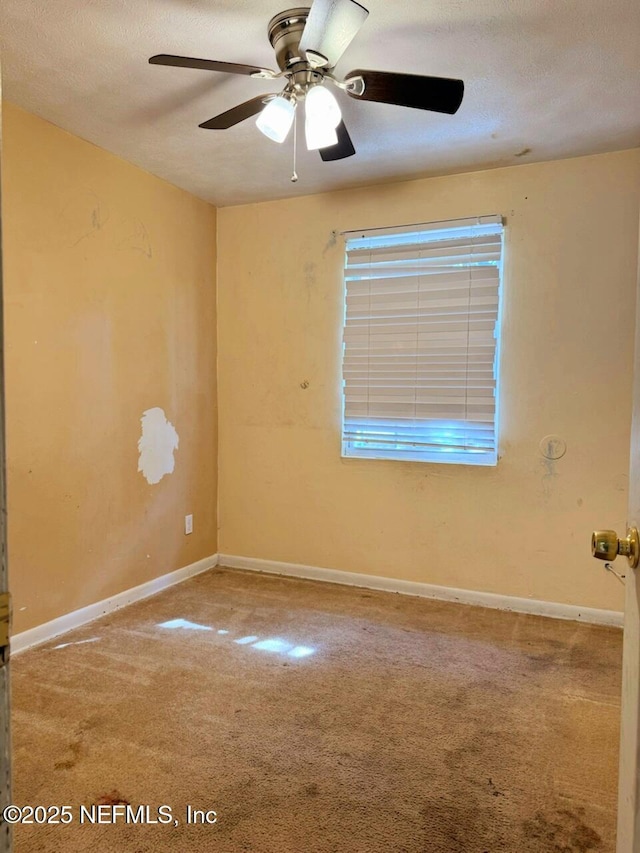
(42, 633)
(426, 590)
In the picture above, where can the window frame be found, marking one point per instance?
(349, 450)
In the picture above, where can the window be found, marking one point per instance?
(421, 342)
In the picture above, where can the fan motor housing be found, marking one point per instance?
(285, 31)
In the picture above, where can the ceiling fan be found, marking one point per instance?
(309, 42)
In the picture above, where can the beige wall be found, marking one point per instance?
(522, 528)
(110, 311)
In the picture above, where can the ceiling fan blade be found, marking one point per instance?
(209, 65)
(439, 94)
(331, 27)
(237, 114)
(344, 147)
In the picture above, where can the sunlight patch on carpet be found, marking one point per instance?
(184, 623)
(275, 645)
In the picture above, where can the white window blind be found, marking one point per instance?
(421, 342)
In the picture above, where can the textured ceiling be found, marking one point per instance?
(544, 79)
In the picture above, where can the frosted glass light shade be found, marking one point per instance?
(276, 118)
(321, 106)
(319, 134)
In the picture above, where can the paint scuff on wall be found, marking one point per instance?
(156, 445)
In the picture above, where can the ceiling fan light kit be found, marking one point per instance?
(276, 118)
(321, 106)
(318, 134)
(308, 44)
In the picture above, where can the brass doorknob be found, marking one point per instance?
(605, 545)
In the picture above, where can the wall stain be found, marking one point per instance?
(552, 448)
(137, 238)
(309, 273)
(331, 242)
(81, 216)
(549, 476)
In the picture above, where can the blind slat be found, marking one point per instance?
(423, 282)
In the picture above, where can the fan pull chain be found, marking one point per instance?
(294, 176)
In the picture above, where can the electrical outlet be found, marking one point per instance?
(188, 524)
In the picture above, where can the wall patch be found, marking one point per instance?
(156, 445)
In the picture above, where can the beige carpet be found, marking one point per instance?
(367, 722)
